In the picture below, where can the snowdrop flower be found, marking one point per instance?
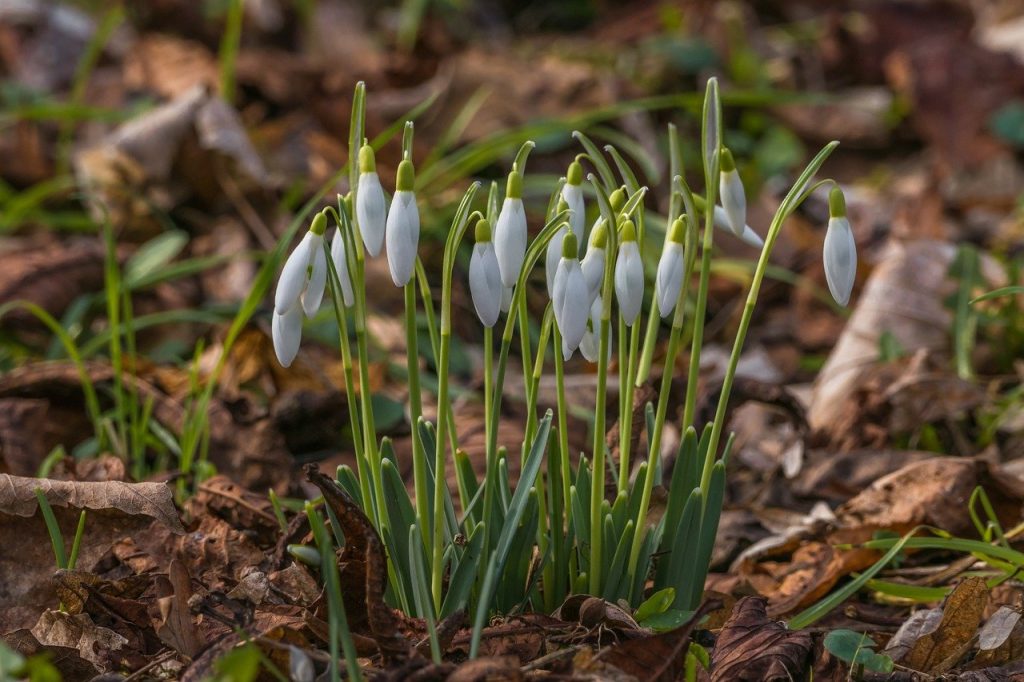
(554, 253)
(840, 251)
(572, 193)
(590, 346)
(484, 280)
(629, 274)
(299, 289)
(670, 269)
(731, 188)
(371, 208)
(403, 227)
(570, 297)
(593, 262)
(721, 221)
(510, 232)
(338, 255)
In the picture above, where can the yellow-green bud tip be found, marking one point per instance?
(570, 247)
(406, 176)
(514, 187)
(483, 230)
(617, 199)
(367, 162)
(627, 231)
(836, 203)
(726, 163)
(319, 225)
(677, 233)
(599, 237)
(575, 174)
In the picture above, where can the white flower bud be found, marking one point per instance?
(840, 250)
(629, 275)
(510, 232)
(484, 280)
(572, 192)
(506, 297)
(670, 270)
(304, 274)
(314, 292)
(402, 233)
(372, 212)
(552, 258)
(594, 261)
(338, 256)
(569, 300)
(734, 201)
(286, 332)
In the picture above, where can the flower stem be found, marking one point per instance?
(419, 463)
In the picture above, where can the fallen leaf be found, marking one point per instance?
(175, 627)
(1001, 639)
(751, 647)
(96, 644)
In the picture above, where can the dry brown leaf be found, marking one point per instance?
(175, 627)
(1001, 640)
(17, 497)
(753, 648)
(96, 644)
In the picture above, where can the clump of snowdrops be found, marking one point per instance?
(558, 530)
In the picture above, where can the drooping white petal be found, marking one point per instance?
(294, 276)
(338, 255)
(314, 292)
(506, 298)
(590, 345)
(629, 281)
(558, 290)
(286, 332)
(840, 256)
(573, 195)
(554, 255)
(721, 221)
(371, 211)
(670, 277)
(485, 283)
(402, 236)
(593, 270)
(510, 240)
(734, 201)
(575, 312)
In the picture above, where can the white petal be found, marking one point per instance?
(558, 290)
(554, 255)
(590, 346)
(485, 283)
(593, 270)
(629, 281)
(510, 240)
(506, 297)
(840, 256)
(734, 201)
(371, 212)
(670, 278)
(750, 237)
(314, 292)
(341, 265)
(293, 276)
(286, 332)
(573, 195)
(575, 312)
(403, 237)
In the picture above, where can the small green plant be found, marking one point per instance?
(556, 531)
(857, 649)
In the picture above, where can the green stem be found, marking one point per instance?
(419, 463)
(626, 426)
(698, 320)
(440, 480)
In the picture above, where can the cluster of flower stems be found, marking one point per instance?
(556, 531)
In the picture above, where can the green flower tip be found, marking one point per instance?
(677, 233)
(627, 231)
(599, 237)
(406, 176)
(483, 230)
(570, 247)
(726, 163)
(836, 203)
(367, 162)
(575, 174)
(617, 199)
(514, 187)
(319, 225)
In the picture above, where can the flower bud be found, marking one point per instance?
(670, 269)
(840, 250)
(570, 297)
(484, 280)
(371, 207)
(403, 227)
(572, 193)
(629, 274)
(339, 257)
(730, 187)
(510, 231)
(304, 274)
(593, 262)
(286, 332)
